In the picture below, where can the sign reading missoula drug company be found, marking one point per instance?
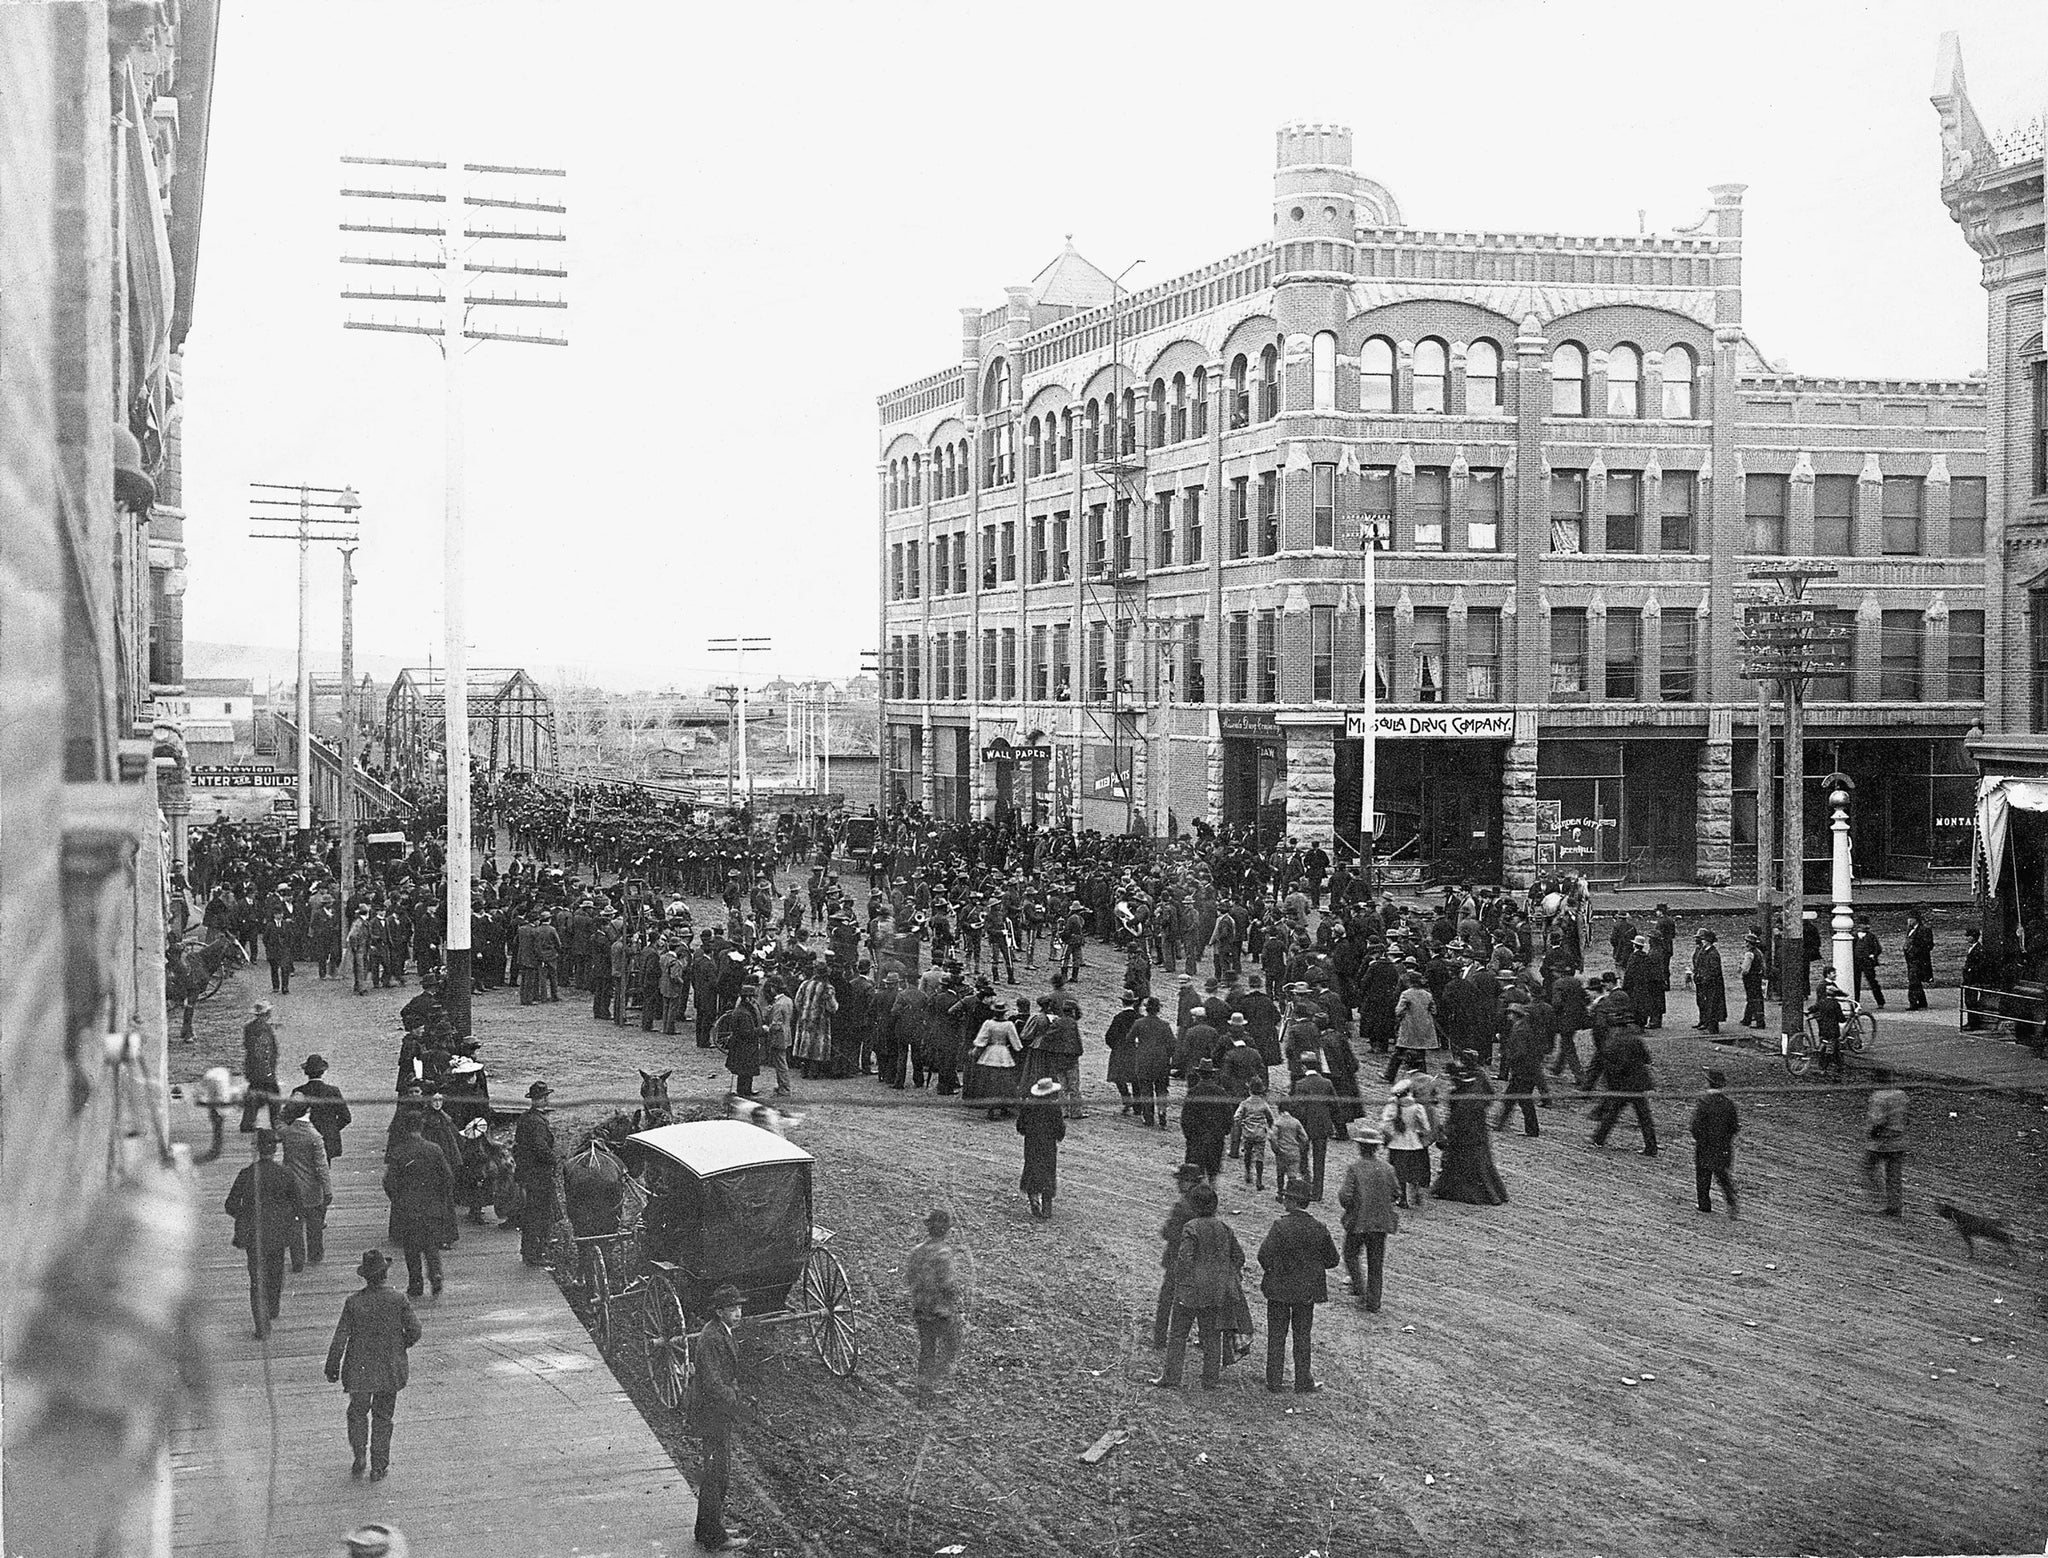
(1476, 725)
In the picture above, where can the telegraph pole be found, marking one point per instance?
(729, 696)
(297, 511)
(739, 648)
(499, 197)
(348, 729)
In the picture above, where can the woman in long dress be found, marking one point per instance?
(996, 1047)
(1467, 1173)
(1043, 1126)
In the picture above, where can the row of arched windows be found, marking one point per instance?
(1624, 382)
(945, 467)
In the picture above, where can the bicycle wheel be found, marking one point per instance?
(1800, 1054)
(1859, 1032)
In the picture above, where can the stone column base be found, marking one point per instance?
(1311, 782)
(1518, 805)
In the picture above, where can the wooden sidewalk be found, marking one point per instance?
(513, 1438)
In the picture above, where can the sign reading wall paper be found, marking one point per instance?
(1483, 725)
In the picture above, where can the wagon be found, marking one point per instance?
(728, 1202)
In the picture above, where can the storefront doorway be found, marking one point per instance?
(1439, 803)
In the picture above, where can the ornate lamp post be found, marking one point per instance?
(1840, 788)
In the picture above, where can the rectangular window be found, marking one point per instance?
(1898, 648)
(1269, 657)
(1675, 529)
(942, 666)
(1122, 682)
(1009, 560)
(896, 666)
(1568, 511)
(2040, 438)
(1162, 530)
(1763, 504)
(1269, 513)
(988, 665)
(1432, 655)
(1901, 534)
(1038, 559)
(1240, 516)
(1322, 653)
(912, 552)
(1062, 557)
(915, 645)
(1062, 661)
(1568, 653)
(1623, 681)
(1041, 670)
(1482, 511)
(1121, 554)
(1376, 503)
(1677, 654)
(1966, 516)
(1191, 524)
(1194, 686)
(988, 557)
(1835, 688)
(960, 563)
(1098, 539)
(1624, 511)
(1834, 516)
(1382, 653)
(942, 570)
(1098, 661)
(1009, 664)
(1325, 477)
(1966, 655)
(1432, 507)
(896, 571)
(1482, 655)
(1240, 658)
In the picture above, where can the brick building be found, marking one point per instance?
(1992, 185)
(1123, 567)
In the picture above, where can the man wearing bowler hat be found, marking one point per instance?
(536, 1165)
(1293, 1258)
(716, 1410)
(367, 1358)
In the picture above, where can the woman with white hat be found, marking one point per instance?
(1043, 1128)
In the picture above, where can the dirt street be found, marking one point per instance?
(1813, 1378)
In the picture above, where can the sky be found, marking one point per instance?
(777, 211)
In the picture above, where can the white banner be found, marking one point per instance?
(1475, 725)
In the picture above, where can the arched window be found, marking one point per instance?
(889, 491)
(917, 478)
(1129, 424)
(1376, 375)
(1624, 382)
(1269, 384)
(1323, 363)
(1568, 381)
(1157, 434)
(1031, 456)
(996, 387)
(1177, 426)
(1199, 425)
(1679, 371)
(1067, 434)
(966, 466)
(1240, 392)
(1482, 379)
(1432, 377)
(1091, 434)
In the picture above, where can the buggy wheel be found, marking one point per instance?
(827, 1299)
(667, 1342)
(597, 1286)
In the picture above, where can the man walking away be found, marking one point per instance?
(1885, 1141)
(1919, 951)
(1868, 949)
(1370, 1194)
(420, 1182)
(1714, 1124)
(330, 1112)
(1205, 1271)
(1185, 1178)
(265, 1206)
(715, 1411)
(367, 1358)
(259, 1068)
(1293, 1258)
(933, 1281)
(305, 1159)
(1625, 1063)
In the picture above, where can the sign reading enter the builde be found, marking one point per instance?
(1478, 725)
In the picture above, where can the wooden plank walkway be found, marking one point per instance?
(513, 1438)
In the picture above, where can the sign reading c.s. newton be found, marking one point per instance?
(1478, 725)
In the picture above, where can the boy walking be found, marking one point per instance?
(1253, 1124)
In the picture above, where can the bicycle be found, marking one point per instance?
(1859, 1032)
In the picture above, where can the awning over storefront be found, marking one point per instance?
(1996, 798)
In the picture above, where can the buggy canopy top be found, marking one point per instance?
(708, 1148)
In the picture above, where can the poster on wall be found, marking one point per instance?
(1549, 817)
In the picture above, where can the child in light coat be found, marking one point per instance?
(1254, 1121)
(1289, 1141)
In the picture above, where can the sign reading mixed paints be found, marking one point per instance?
(1476, 725)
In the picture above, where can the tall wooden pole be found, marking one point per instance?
(348, 728)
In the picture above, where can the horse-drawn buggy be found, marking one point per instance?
(714, 1202)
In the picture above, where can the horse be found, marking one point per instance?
(602, 1194)
(655, 1108)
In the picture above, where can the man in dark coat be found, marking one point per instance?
(1185, 1178)
(1709, 985)
(1312, 1100)
(1646, 980)
(743, 1045)
(420, 1182)
(1205, 1116)
(1714, 1124)
(329, 1114)
(264, 1203)
(1293, 1258)
(715, 1410)
(1919, 951)
(259, 1068)
(1867, 949)
(1625, 1064)
(536, 1165)
(526, 960)
(367, 1358)
(1370, 1194)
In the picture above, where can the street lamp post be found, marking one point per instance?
(1840, 789)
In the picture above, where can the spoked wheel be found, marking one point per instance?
(1859, 1032)
(597, 1287)
(561, 1252)
(1800, 1056)
(667, 1339)
(828, 1300)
